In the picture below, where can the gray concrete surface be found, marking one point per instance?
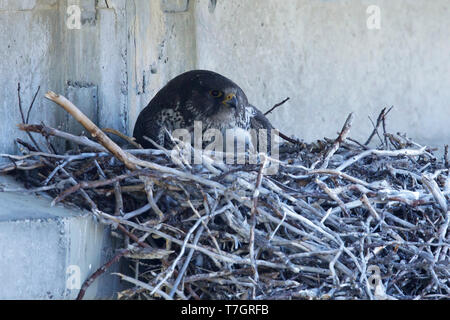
(322, 55)
(46, 253)
(319, 53)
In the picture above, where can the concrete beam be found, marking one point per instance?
(47, 252)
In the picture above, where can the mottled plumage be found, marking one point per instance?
(197, 95)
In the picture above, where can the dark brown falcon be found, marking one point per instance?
(197, 95)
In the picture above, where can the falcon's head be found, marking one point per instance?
(211, 95)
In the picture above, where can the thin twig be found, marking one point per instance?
(277, 105)
(99, 272)
(339, 140)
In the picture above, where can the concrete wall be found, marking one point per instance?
(319, 53)
(26, 39)
(110, 66)
(48, 252)
(322, 55)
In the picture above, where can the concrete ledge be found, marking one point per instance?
(47, 253)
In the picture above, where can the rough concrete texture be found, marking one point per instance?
(319, 53)
(43, 250)
(322, 55)
(111, 67)
(126, 49)
(26, 41)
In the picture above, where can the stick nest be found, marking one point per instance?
(339, 220)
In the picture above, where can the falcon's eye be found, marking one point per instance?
(216, 93)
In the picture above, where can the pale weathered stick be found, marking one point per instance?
(436, 192)
(291, 230)
(381, 153)
(339, 140)
(123, 136)
(95, 131)
(44, 130)
(129, 160)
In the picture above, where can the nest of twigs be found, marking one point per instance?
(339, 220)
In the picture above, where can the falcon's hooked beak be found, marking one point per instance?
(231, 100)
